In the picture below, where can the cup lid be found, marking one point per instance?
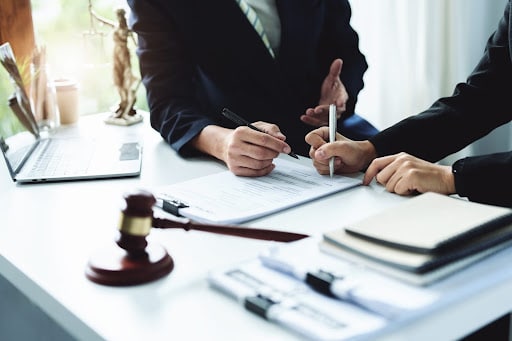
(65, 84)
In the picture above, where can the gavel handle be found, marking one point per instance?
(263, 234)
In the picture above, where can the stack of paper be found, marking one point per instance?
(291, 304)
(424, 238)
(352, 302)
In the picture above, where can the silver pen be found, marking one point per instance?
(332, 134)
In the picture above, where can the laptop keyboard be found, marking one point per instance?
(62, 157)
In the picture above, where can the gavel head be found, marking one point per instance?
(136, 262)
(135, 222)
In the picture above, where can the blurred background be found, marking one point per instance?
(81, 48)
(417, 51)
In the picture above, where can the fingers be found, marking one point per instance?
(337, 87)
(315, 117)
(350, 156)
(342, 96)
(250, 152)
(317, 137)
(252, 172)
(332, 91)
(405, 174)
(414, 175)
(319, 115)
(322, 165)
(335, 69)
(402, 174)
(322, 156)
(271, 129)
(341, 101)
(259, 145)
(376, 166)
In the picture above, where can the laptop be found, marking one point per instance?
(33, 158)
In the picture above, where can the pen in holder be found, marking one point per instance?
(43, 94)
(134, 261)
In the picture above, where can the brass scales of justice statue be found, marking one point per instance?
(125, 82)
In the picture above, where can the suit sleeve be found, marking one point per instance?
(167, 74)
(476, 107)
(485, 178)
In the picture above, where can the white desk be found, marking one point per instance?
(48, 231)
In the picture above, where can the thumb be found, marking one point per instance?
(323, 152)
(335, 69)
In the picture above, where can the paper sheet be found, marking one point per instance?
(227, 198)
(297, 307)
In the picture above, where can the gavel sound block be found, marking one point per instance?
(134, 261)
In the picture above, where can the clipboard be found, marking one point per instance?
(224, 198)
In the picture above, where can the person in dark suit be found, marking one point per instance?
(197, 57)
(402, 156)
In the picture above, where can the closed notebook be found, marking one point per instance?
(390, 269)
(419, 263)
(427, 233)
(431, 223)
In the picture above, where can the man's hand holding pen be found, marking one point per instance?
(350, 156)
(249, 152)
(250, 149)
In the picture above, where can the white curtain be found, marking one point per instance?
(417, 51)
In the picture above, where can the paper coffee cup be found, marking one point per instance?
(67, 100)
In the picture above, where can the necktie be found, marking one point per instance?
(256, 23)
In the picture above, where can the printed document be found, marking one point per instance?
(224, 198)
(291, 304)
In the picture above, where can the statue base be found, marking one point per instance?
(126, 120)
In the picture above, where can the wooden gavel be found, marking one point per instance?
(136, 262)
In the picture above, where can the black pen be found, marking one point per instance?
(243, 122)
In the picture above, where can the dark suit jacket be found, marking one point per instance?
(199, 56)
(475, 108)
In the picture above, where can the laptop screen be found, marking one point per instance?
(16, 138)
